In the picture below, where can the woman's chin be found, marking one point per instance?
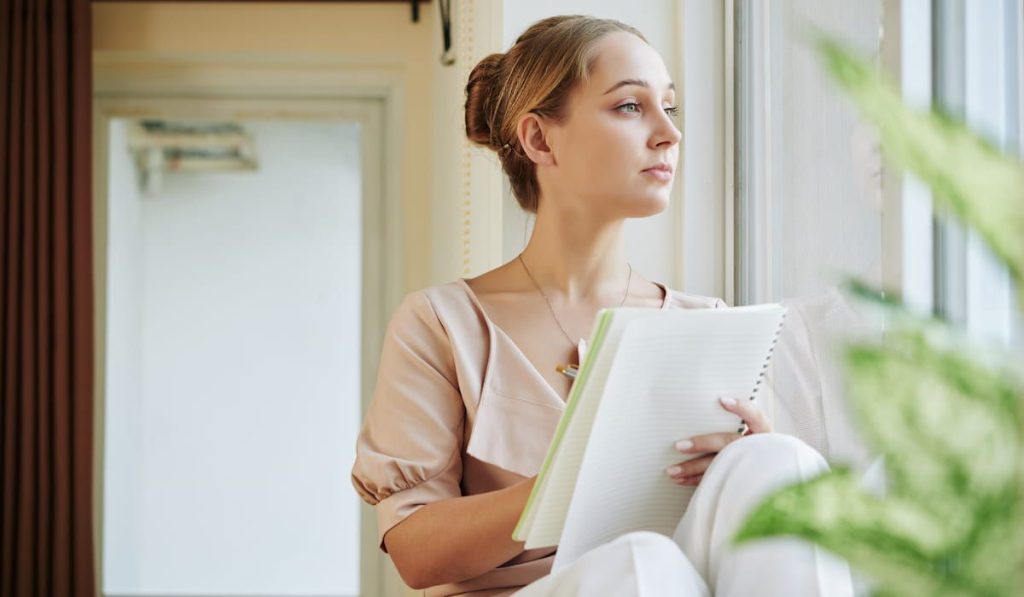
(648, 204)
(631, 205)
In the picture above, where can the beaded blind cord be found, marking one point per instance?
(466, 49)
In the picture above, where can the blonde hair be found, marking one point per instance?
(536, 75)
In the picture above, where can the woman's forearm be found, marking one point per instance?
(458, 538)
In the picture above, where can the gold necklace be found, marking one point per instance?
(551, 308)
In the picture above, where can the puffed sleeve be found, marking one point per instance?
(408, 452)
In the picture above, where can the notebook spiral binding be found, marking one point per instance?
(768, 357)
(742, 430)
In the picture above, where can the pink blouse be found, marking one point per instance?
(458, 410)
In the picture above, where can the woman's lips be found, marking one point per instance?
(659, 174)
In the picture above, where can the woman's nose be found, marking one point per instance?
(666, 134)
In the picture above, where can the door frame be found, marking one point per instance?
(260, 86)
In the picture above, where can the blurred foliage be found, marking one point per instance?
(945, 415)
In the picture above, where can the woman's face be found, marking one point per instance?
(618, 125)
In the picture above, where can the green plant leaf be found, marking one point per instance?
(942, 421)
(907, 550)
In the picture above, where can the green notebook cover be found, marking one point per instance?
(604, 320)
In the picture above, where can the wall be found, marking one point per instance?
(383, 32)
(233, 395)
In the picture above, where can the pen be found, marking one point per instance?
(570, 371)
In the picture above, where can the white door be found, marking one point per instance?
(233, 369)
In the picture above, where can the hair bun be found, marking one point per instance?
(535, 75)
(481, 95)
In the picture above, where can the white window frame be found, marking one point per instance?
(755, 224)
(907, 213)
(704, 225)
(978, 71)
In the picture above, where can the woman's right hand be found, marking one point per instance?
(708, 446)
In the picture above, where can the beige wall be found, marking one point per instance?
(384, 31)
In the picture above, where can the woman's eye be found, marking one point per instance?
(635, 107)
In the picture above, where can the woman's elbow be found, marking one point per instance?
(409, 563)
(413, 580)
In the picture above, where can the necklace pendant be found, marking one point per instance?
(581, 350)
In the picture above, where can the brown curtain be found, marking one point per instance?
(46, 299)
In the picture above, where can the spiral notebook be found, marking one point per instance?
(649, 379)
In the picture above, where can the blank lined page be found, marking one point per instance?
(662, 387)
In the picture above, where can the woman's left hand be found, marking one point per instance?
(692, 471)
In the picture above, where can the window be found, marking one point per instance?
(812, 204)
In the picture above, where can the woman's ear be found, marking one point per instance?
(532, 132)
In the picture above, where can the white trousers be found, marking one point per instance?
(698, 559)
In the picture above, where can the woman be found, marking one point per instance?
(469, 393)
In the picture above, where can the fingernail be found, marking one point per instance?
(684, 444)
(727, 401)
(673, 470)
